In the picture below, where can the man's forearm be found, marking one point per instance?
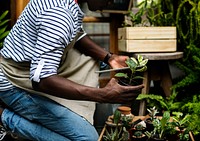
(90, 48)
(64, 88)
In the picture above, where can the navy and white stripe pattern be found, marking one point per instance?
(42, 32)
(4, 83)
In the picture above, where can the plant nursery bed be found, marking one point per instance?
(136, 118)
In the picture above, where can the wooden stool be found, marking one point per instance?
(158, 69)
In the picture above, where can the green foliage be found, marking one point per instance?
(126, 121)
(150, 13)
(117, 116)
(139, 127)
(138, 134)
(193, 108)
(152, 112)
(135, 65)
(3, 27)
(181, 121)
(185, 15)
(116, 134)
(188, 15)
(162, 127)
(167, 104)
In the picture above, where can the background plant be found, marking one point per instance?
(181, 121)
(3, 27)
(152, 112)
(185, 15)
(118, 133)
(162, 127)
(162, 103)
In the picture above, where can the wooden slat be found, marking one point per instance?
(131, 33)
(147, 45)
(89, 19)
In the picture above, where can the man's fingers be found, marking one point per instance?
(137, 87)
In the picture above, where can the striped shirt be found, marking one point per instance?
(40, 36)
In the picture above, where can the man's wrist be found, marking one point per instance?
(107, 57)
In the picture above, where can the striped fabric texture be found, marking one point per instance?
(40, 35)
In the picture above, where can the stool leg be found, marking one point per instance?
(145, 90)
(166, 79)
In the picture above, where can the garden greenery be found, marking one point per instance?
(185, 15)
(3, 27)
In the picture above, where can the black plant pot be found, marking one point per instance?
(149, 125)
(143, 138)
(155, 138)
(126, 82)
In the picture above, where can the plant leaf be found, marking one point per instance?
(4, 35)
(3, 15)
(143, 62)
(120, 74)
(4, 22)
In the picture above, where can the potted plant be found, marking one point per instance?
(126, 116)
(3, 27)
(149, 121)
(181, 122)
(131, 76)
(139, 136)
(116, 134)
(162, 128)
(117, 127)
(139, 127)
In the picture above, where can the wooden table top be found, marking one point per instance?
(161, 55)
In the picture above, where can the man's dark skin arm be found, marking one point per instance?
(90, 48)
(64, 88)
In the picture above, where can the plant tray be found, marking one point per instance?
(106, 127)
(147, 39)
(136, 119)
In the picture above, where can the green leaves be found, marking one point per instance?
(121, 75)
(181, 121)
(135, 65)
(117, 116)
(3, 27)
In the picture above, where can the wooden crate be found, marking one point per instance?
(147, 39)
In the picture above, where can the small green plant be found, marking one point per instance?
(152, 112)
(119, 133)
(126, 121)
(139, 127)
(182, 123)
(135, 65)
(162, 127)
(117, 116)
(138, 134)
(3, 27)
(180, 120)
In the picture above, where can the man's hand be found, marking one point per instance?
(115, 93)
(116, 61)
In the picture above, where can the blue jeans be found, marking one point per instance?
(40, 119)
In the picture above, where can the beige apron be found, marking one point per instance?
(74, 66)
